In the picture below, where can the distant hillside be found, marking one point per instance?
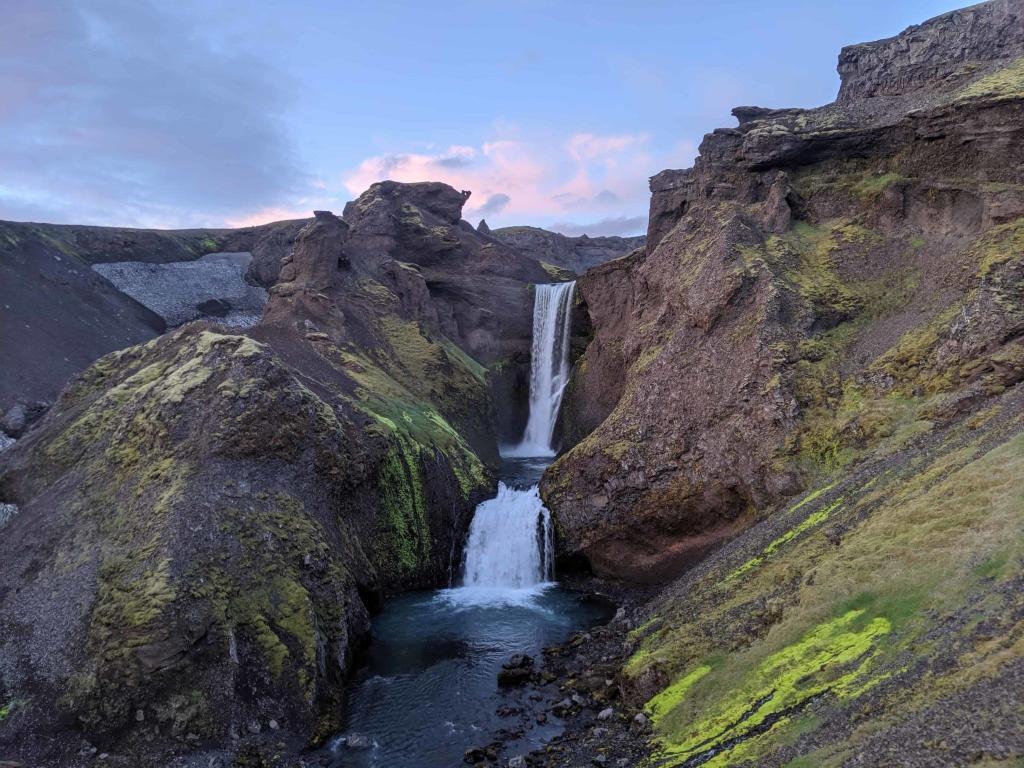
(577, 254)
(58, 314)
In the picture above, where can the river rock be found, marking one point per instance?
(516, 671)
(358, 741)
(605, 714)
(476, 755)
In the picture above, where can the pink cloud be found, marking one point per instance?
(583, 173)
(267, 215)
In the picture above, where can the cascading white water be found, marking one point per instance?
(549, 366)
(509, 543)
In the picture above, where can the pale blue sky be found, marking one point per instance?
(208, 112)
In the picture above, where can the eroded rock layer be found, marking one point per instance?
(819, 282)
(193, 532)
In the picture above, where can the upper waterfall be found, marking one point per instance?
(549, 366)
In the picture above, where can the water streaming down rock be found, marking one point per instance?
(549, 367)
(510, 544)
(510, 541)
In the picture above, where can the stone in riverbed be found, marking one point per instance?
(475, 755)
(516, 671)
(605, 714)
(358, 741)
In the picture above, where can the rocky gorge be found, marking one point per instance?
(791, 448)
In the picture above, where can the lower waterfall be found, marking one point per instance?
(428, 690)
(510, 541)
(511, 544)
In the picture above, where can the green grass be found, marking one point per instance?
(937, 532)
(1006, 83)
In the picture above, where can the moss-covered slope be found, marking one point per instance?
(816, 372)
(200, 521)
(865, 624)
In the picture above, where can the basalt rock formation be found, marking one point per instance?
(575, 254)
(192, 533)
(817, 282)
(807, 395)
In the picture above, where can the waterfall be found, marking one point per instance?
(510, 548)
(510, 541)
(549, 366)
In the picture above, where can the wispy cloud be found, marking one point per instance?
(535, 180)
(118, 111)
(618, 225)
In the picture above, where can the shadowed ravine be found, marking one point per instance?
(428, 689)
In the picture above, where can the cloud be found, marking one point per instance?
(517, 178)
(607, 197)
(620, 225)
(495, 204)
(115, 111)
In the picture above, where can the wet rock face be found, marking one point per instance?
(800, 269)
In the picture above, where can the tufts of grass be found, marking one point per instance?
(1006, 83)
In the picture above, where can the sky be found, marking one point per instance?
(213, 113)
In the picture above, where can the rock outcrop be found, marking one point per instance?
(479, 287)
(193, 532)
(830, 301)
(813, 285)
(574, 254)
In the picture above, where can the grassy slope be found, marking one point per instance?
(895, 583)
(866, 601)
(879, 619)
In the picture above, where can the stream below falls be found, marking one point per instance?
(428, 690)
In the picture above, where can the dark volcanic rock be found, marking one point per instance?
(199, 519)
(516, 671)
(795, 260)
(180, 540)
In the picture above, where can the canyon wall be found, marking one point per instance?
(817, 282)
(192, 534)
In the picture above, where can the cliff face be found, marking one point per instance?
(575, 254)
(820, 280)
(831, 305)
(190, 533)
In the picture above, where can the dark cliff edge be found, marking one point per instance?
(802, 411)
(192, 534)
